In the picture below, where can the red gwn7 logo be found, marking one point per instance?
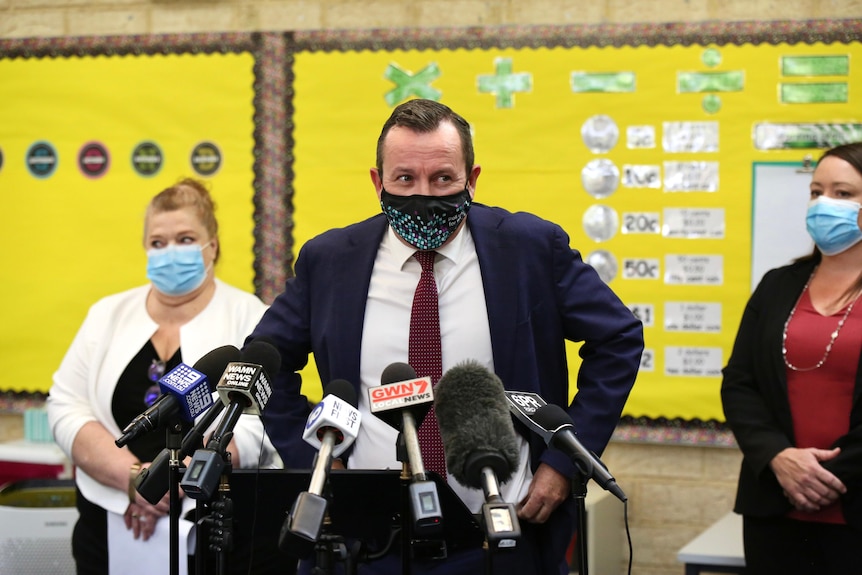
(400, 390)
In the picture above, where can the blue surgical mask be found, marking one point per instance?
(425, 222)
(833, 224)
(176, 269)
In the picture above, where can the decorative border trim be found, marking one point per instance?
(583, 35)
(674, 431)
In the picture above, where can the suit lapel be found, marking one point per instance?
(500, 286)
(352, 274)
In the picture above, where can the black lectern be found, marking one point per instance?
(366, 507)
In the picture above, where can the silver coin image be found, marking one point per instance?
(600, 222)
(600, 133)
(600, 178)
(604, 263)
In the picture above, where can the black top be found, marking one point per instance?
(129, 398)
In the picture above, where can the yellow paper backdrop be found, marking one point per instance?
(69, 240)
(532, 155)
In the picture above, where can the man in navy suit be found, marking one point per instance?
(511, 291)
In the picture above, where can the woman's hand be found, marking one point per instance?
(141, 516)
(806, 483)
(140, 521)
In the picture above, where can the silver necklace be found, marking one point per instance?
(831, 339)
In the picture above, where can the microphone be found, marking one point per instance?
(152, 481)
(335, 420)
(523, 405)
(331, 428)
(246, 381)
(402, 400)
(185, 390)
(558, 424)
(480, 442)
(245, 388)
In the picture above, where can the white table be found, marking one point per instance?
(718, 549)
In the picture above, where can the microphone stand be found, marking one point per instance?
(221, 523)
(579, 493)
(406, 520)
(173, 441)
(329, 550)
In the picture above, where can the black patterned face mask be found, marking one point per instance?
(425, 222)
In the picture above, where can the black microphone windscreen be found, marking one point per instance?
(475, 425)
(552, 417)
(213, 363)
(262, 353)
(396, 372)
(342, 389)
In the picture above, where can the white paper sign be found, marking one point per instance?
(693, 361)
(644, 312)
(692, 316)
(694, 269)
(693, 223)
(641, 269)
(648, 360)
(641, 176)
(690, 136)
(640, 223)
(691, 176)
(640, 137)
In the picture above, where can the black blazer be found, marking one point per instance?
(754, 397)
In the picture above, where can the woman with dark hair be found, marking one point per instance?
(791, 392)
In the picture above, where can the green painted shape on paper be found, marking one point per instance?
(820, 93)
(504, 83)
(694, 82)
(815, 65)
(711, 104)
(407, 84)
(711, 57)
(806, 136)
(603, 82)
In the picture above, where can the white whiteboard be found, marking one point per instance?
(780, 201)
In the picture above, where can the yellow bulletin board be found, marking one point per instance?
(672, 236)
(90, 130)
(642, 141)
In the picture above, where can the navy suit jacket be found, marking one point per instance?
(538, 293)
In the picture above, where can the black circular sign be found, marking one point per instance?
(206, 158)
(147, 159)
(93, 160)
(42, 159)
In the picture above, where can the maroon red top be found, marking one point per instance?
(820, 399)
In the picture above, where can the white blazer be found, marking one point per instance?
(114, 331)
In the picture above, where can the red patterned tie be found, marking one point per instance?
(425, 356)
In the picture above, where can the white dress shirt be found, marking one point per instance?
(464, 335)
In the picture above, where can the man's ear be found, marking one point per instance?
(471, 180)
(377, 180)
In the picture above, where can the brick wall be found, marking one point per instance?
(674, 491)
(25, 18)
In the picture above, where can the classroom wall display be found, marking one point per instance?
(90, 130)
(643, 141)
